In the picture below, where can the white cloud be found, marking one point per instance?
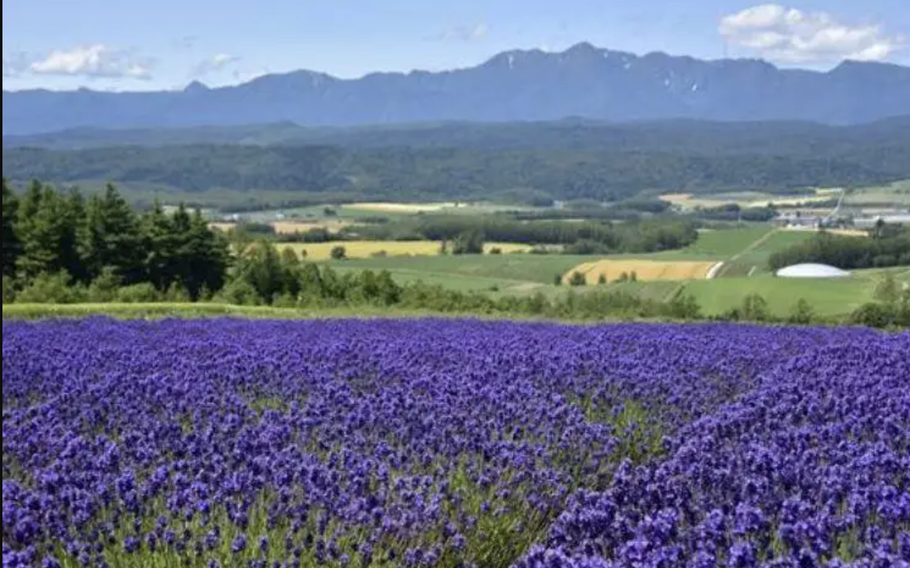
(789, 35)
(465, 33)
(214, 64)
(15, 64)
(95, 61)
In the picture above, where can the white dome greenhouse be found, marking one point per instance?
(812, 271)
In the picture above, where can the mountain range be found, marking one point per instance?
(584, 82)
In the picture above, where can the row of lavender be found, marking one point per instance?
(441, 443)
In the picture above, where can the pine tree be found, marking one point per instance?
(12, 247)
(160, 244)
(49, 226)
(113, 238)
(205, 257)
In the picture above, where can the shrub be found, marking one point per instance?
(495, 250)
(339, 253)
(178, 294)
(239, 293)
(602, 279)
(874, 315)
(379, 254)
(53, 289)
(684, 306)
(577, 279)
(755, 308)
(104, 288)
(801, 313)
(143, 293)
(557, 279)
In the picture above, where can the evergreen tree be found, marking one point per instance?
(160, 244)
(74, 230)
(12, 248)
(49, 226)
(204, 256)
(113, 237)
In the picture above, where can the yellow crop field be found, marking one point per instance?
(645, 270)
(367, 249)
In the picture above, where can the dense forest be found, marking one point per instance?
(445, 174)
(689, 137)
(101, 241)
(528, 162)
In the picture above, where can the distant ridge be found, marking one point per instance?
(584, 81)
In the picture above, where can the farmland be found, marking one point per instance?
(367, 249)
(644, 270)
(451, 443)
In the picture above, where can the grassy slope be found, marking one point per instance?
(833, 297)
(717, 245)
(756, 256)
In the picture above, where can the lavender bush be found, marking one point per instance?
(444, 443)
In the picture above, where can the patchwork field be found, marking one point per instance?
(644, 270)
(748, 199)
(368, 249)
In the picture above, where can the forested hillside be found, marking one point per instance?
(453, 173)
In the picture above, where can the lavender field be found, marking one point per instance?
(229, 443)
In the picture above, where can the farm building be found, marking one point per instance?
(895, 219)
(811, 271)
(797, 220)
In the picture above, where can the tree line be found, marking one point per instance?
(100, 238)
(605, 237)
(888, 246)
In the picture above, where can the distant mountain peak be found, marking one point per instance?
(582, 81)
(196, 87)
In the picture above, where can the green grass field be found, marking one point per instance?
(834, 297)
(519, 268)
(894, 195)
(753, 260)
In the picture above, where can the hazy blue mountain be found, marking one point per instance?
(583, 81)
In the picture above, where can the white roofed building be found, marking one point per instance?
(811, 271)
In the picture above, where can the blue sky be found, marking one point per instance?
(164, 44)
